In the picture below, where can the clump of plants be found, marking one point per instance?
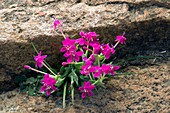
(84, 67)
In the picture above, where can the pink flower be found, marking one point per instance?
(87, 38)
(107, 50)
(98, 71)
(92, 36)
(48, 84)
(70, 50)
(91, 58)
(113, 68)
(96, 48)
(73, 56)
(121, 39)
(106, 68)
(39, 59)
(68, 45)
(87, 68)
(86, 89)
(81, 41)
(56, 23)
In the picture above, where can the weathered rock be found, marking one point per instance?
(144, 21)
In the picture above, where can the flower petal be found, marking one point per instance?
(43, 88)
(90, 93)
(48, 92)
(83, 95)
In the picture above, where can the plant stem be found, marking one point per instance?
(72, 94)
(95, 82)
(62, 33)
(98, 60)
(49, 69)
(103, 75)
(103, 60)
(116, 44)
(38, 71)
(64, 95)
(90, 77)
(87, 51)
(72, 90)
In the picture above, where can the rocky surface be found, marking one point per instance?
(146, 23)
(146, 90)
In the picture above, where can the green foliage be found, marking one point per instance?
(30, 85)
(78, 65)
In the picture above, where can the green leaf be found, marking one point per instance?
(82, 77)
(86, 77)
(78, 65)
(19, 78)
(40, 76)
(62, 69)
(23, 89)
(30, 80)
(101, 57)
(67, 70)
(96, 60)
(30, 91)
(92, 81)
(60, 81)
(22, 84)
(75, 77)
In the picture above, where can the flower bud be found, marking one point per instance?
(27, 67)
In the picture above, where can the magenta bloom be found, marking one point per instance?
(68, 45)
(92, 36)
(73, 55)
(114, 68)
(81, 41)
(86, 89)
(39, 59)
(91, 58)
(87, 38)
(87, 68)
(70, 50)
(106, 68)
(121, 39)
(56, 23)
(96, 48)
(48, 84)
(107, 50)
(98, 71)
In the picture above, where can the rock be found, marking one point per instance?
(144, 21)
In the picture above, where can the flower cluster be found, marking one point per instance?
(70, 50)
(48, 84)
(84, 67)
